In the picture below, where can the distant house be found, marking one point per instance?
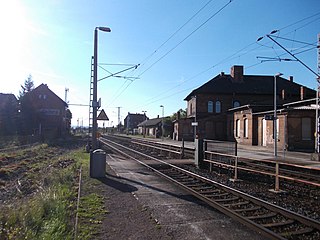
(44, 113)
(182, 129)
(208, 105)
(153, 127)
(131, 122)
(8, 114)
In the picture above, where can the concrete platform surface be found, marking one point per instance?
(183, 216)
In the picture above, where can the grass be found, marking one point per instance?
(45, 216)
(49, 212)
(91, 209)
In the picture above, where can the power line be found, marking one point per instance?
(233, 56)
(189, 35)
(143, 62)
(172, 35)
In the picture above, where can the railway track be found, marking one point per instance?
(290, 172)
(272, 221)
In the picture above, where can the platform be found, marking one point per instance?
(182, 216)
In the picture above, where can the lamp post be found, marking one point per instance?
(144, 126)
(275, 113)
(275, 135)
(162, 127)
(95, 80)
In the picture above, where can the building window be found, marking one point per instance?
(306, 128)
(218, 106)
(245, 127)
(237, 128)
(210, 107)
(236, 104)
(190, 112)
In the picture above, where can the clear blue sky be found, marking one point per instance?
(53, 41)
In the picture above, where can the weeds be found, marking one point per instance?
(47, 213)
(46, 207)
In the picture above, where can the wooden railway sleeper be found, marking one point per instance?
(263, 216)
(203, 188)
(240, 203)
(194, 184)
(210, 191)
(301, 231)
(226, 200)
(278, 224)
(218, 195)
(254, 208)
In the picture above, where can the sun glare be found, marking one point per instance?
(13, 22)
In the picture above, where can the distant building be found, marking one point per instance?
(8, 114)
(153, 127)
(43, 113)
(131, 122)
(182, 129)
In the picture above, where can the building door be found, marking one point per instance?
(264, 132)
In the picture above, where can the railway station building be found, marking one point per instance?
(295, 125)
(209, 106)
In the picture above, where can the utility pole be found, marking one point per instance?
(317, 132)
(118, 119)
(66, 90)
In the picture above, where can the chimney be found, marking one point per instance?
(158, 116)
(222, 74)
(178, 115)
(291, 78)
(237, 73)
(302, 93)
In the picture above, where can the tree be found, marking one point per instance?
(27, 116)
(27, 87)
(183, 114)
(68, 120)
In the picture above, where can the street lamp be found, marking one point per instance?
(95, 80)
(275, 135)
(144, 124)
(275, 113)
(162, 127)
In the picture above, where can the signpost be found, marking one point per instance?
(103, 116)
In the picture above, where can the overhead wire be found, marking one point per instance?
(179, 29)
(235, 55)
(189, 35)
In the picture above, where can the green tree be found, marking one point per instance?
(27, 87)
(183, 114)
(27, 116)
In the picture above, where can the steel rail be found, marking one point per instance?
(194, 183)
(286, 174)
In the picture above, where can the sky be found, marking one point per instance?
(178, 44)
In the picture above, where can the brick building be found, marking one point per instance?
(295, 125)
(132, 120)
(8, 114)
(43, 113)
(209, 104)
